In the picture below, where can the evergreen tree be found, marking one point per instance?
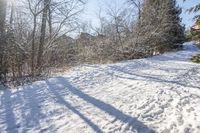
(161, 25)
(172, 22)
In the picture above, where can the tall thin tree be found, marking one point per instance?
(3, 5)
(43, 34)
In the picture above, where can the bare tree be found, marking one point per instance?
(34, 7)
(117, 25)
(138, 5)
(42, 35)
(30, 49)
(63, 20)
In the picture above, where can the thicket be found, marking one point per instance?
(34, 34)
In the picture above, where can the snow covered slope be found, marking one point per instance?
(159, 94)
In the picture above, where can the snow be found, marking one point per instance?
(158, 94)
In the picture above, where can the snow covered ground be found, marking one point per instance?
(159, 94)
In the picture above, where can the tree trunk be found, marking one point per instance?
(12, 13)
(50, 22)
(3, 5)
(33, 47)
(42, 36)
(2, 15)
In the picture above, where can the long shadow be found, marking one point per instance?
(32, 108)
(61, 100)
(9, 114)
(150, 78)
(132, 122)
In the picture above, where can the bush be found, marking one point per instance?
(196, 58)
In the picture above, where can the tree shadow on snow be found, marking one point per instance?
(8, 115)
(27, 105)
(32, 106)
(132, 122)
(150, 78)
(61, 100)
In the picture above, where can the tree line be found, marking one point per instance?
(34, 34)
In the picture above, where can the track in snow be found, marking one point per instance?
(159, 94)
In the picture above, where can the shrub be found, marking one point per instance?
(196, 58)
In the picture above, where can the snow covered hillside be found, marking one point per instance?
(159, 94)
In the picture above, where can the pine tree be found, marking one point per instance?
(173, 26)
(161, 25)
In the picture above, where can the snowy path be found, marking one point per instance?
(159, 94)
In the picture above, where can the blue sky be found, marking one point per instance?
(187, 18)
(93, 6)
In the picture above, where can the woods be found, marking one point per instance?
(35, 34)
(3, 63)
(99, 66)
